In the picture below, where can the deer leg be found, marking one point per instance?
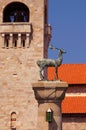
(40, 72)
(56, 72)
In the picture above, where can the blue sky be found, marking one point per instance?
(68, 21)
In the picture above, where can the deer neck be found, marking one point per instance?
(59, 60)
(60, 56)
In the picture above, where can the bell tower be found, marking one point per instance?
(24, 38)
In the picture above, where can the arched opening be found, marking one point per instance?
(13, 121)
(16, 12)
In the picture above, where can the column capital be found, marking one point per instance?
(49, 91)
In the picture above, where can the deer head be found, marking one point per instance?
(55, 48)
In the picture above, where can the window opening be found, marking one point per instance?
(23, 43)
(15, 38)
(16, 12)
(7, 37)
(23, 38)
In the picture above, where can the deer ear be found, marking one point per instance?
(51, 46)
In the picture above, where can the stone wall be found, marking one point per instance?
(74, 123)
(18, 70)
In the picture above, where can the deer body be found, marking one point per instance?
(42, 63)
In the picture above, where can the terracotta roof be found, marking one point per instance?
(74, 105)
(71, 73)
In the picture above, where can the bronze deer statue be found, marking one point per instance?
(42, 63)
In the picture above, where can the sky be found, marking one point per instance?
(68, 21)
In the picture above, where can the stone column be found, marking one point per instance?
(19, 40)
(49, 94)
(11, 40)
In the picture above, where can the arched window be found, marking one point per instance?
(13, 121)
(16, 12)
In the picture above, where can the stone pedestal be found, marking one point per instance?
(49, 94)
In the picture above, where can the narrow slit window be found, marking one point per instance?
(15, 39)
(7, 37)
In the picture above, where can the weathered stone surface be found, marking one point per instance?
(74, 123)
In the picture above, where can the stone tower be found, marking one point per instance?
(24, 38)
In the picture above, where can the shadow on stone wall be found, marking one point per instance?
(77, 118)
(53, 125)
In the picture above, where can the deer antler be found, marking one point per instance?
(51, 47)
(55, 48)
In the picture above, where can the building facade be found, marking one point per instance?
(24, 38)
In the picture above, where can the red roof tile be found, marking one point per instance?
(71, 73)
(74, 105)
